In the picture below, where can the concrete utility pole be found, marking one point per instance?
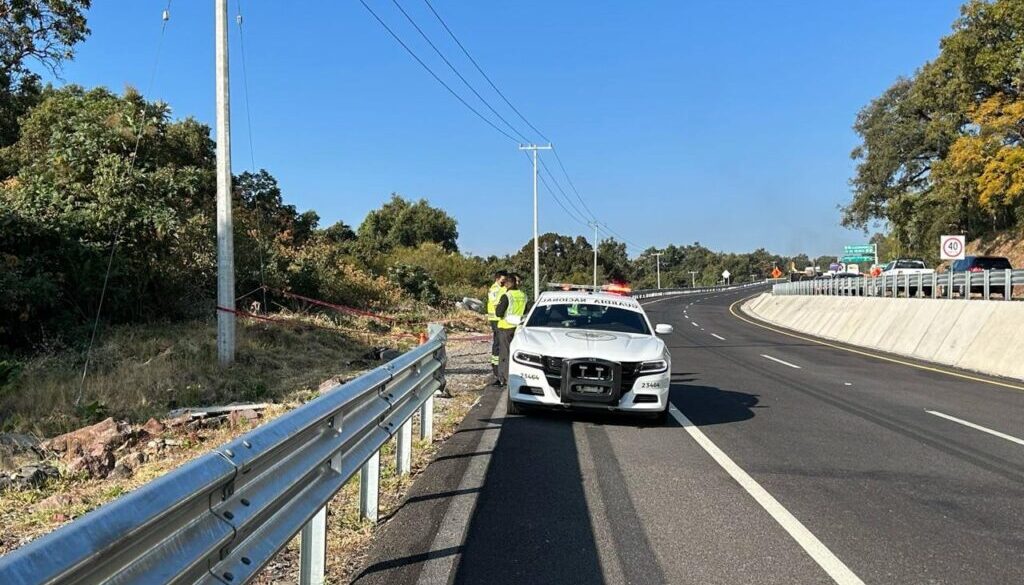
(594, 225)
(693, 279)
(657, 257)
(536, 245)
(225, 230)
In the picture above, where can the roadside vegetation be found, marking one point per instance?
(108, 260)
(942, 151)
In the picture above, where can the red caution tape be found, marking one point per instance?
(339, 308)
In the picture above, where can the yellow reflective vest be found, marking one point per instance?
(516, 308)
(493, 296)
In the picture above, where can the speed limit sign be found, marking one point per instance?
(952, 247)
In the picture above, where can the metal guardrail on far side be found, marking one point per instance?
(988, 284)
(661, 292)
(220, 518)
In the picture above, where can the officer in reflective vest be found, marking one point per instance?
(510, 311)
(494, 295)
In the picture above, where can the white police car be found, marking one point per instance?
(589, 350)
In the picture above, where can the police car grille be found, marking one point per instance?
(630, 372)
(553, 370)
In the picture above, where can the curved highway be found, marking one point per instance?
(786, 461)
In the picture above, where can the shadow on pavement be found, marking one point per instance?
(707, 405)
(531, 524)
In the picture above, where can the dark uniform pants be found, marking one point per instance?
(494, 347)
(504, 341)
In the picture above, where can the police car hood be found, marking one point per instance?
(588, 343)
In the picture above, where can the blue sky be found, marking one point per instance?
(722, 122)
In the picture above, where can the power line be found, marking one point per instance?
(481, 71)
(568, 199)
(260, 241)
(245, 85)
(165, 17)
(456, 71)
(554, 196)
(583, 213)
(509, 103)
(571, 184)
(618, 235)
(434, 75)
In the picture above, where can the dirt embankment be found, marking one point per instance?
(1008, 244)
(63, 478)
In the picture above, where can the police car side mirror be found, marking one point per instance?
(664, 329)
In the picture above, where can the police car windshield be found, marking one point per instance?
(584, 316)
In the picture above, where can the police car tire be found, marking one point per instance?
(512, 406)
(661, 417)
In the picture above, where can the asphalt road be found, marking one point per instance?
(786, 461)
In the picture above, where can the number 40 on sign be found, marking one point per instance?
(952, 247)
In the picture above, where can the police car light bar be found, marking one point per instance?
(613, 288)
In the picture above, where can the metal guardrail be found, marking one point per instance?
(661, 292)
(948, 285)
(219, 519)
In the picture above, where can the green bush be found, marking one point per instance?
(415, 281)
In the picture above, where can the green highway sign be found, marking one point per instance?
(859, 249)
(848, 259)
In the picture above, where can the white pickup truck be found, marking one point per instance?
(906, 271)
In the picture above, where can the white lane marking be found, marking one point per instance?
(702, 329)
(828, 561)
(455, 523)
(847, 384)
(694, 323)
(717, 336)
(977, 427)
(661, 300)
(774, 359)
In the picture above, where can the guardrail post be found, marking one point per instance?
(403, 448)
(949, 288)
(369, 484)
(313, 550)
(967, 285)
(427, 420)
(1008, 285)
(986, 280)
(313, 544)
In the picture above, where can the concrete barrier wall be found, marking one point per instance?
(984, 336)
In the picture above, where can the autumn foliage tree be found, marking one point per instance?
(942, 151)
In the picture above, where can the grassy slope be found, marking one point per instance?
(138, 371)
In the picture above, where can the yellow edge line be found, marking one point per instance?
(732, 310)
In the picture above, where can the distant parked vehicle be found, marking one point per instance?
(979, 265)
(855, 288)
(909, 268)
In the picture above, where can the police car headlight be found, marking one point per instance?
(528, 359)
(653, 367)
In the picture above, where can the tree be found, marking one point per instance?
(400, 222)
(941, 151)
(79, 189)
(614, 262)
(40, 31)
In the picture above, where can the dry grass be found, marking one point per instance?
(138, 371)
(321, 354)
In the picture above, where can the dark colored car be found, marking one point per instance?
(978, 265)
